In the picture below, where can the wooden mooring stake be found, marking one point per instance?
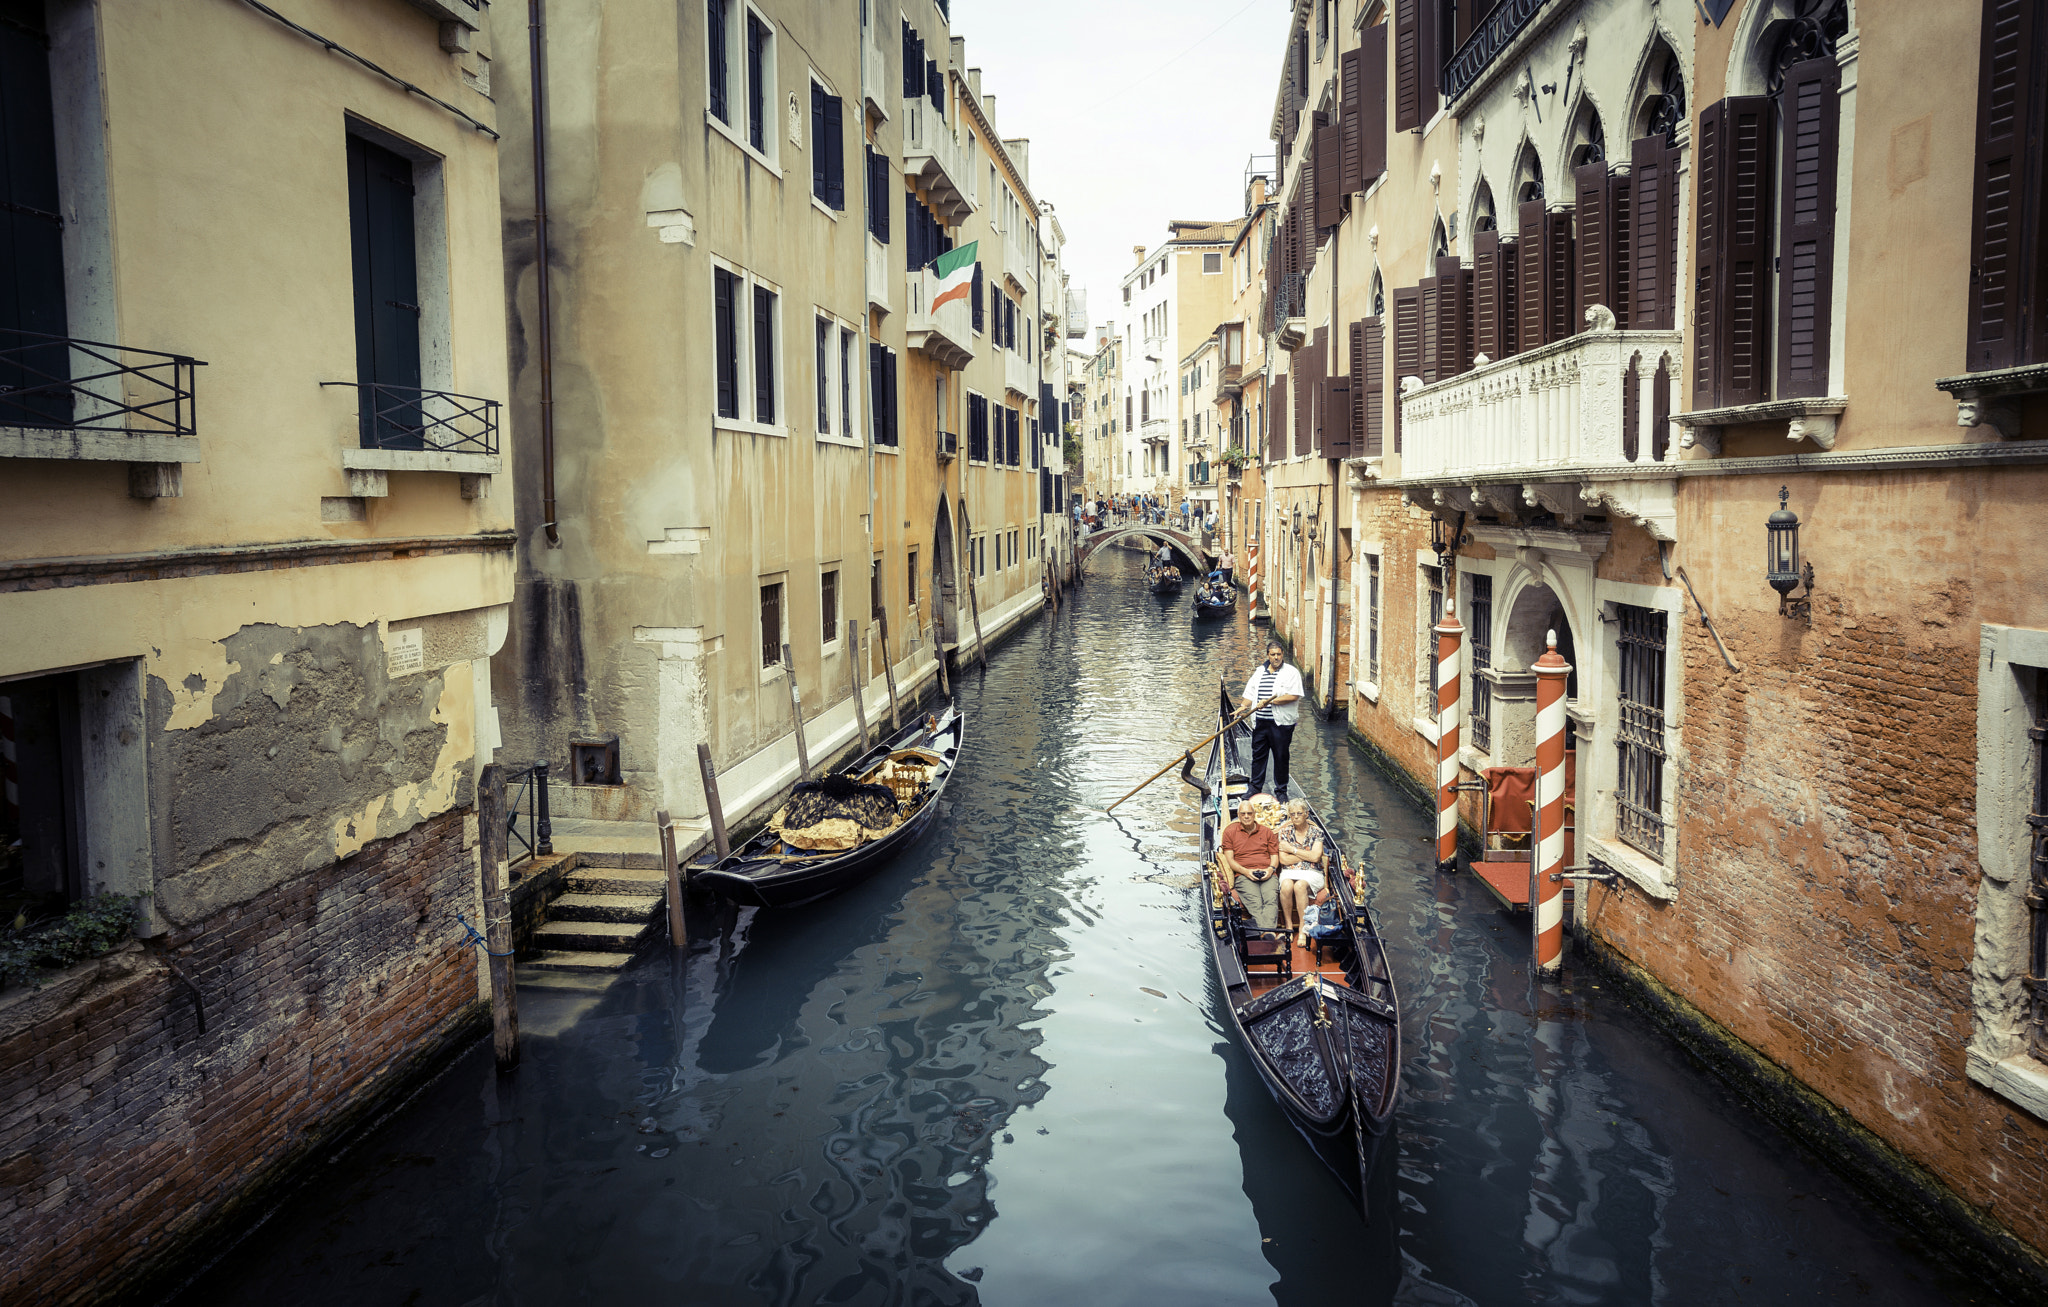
(939, 655)
(974, 607)
(796, 716)
(889, 672)
(860, 706)
(712, 806)
(492, 839)
(678, 929)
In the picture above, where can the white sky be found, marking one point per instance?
(1137, 111)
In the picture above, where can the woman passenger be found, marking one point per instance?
(1301, 874)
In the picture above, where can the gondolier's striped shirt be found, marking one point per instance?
(1266, 683)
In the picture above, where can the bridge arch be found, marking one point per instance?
(1188, 552)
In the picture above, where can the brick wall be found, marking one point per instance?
(1828, 880)
(1388, 727)
(128, 1137)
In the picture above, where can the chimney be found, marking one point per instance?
(974, 83)
(1138, 254)
(959, 44)
(1020, 154)
(1258, 195)
(988, 109)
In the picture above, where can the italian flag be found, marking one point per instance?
(952, 275)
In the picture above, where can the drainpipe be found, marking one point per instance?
(536, 63)
(1336, 491)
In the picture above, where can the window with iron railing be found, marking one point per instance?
(2037, 899)
(1433, 581)
(1372, 618)
(1639, 800)
(1482, 659)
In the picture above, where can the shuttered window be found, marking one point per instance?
(764, 355)
(1368, 387)
(1493, 300)
(882, 395)
(977, 300)
(1365, 110)
(881, 185)
(1276, 425)
(1530, 278)
(1415, 94)
(1811, 107)
(1653, 239)
(725, 289)
(386, 283)
(1732, 285)
(721, 79)
(2008, 305)
(828, 149)
(1329, 180)
(1593, 240)
(1407, 346)
(913, 62)
(1453, 317)
(1432, 338)
(757, 83)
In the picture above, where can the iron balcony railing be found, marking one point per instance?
(90, 385)
(1496, 31)
(407, 417)
(1290, 299)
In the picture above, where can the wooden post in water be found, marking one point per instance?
(493, 855)
(860, 706)
(711, 803)
(796, 716)
(939, 652)
(974, 607)
(678, 930)
(889, 673)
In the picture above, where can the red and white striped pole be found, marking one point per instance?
(1450, 634)
(1251, 577)
(1548, 893)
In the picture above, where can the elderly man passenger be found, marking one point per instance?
(1248, 855)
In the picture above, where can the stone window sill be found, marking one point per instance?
(1369, 692)
(1646, 874)
(1805, 419)
(156, 464)
(1988, 398)
(2019, 1079)
(369, 469)
(1427, 730)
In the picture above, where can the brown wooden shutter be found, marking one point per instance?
(1372, 126)
(2008, 305)
(1561, 309)
(1276, 421)
(1529, 275)
(1351, 121)
(1330, 192)
(1369, 387)
(1653, 243)
(1660, 411)
(1356, 359)
(1631, 408)
(1453, 317)
(1706, 254)
(1510, 295)
(1430, 337)
(1486, 295)
(1338, 414)
(1811, 105)
(1595, 242)
(1620, 201)
(1408, 16)
(1301, 400)
(1407, 347)
(1743, 261)
(1429, 55)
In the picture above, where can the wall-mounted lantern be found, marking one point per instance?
(1782, 565)
(1297, 521)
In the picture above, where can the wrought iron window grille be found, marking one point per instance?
(1482, 658)
(1639, 801)
(2037, 897)
(407, 417)
(91, 385)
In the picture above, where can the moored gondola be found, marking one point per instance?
(784, 866)
(1321, 1024)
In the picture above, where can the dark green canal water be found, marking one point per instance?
(996, 1073)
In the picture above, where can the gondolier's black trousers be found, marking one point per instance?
(1270, 737)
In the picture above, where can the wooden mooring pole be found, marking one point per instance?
(939, 654)
(712, 806)
(492, 853)
(796, 716)
(889, 672)
(678, 929)
(860, 705)
(974, 607)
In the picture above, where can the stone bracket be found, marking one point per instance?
(156, 480)
(1805, 419)
(1992, 398)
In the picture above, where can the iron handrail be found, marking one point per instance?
(532, 804)
(35, 393)
(405, 417)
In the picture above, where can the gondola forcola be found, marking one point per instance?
(842, 828)
(1321, 1024)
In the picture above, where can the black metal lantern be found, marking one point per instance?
(1781, 547)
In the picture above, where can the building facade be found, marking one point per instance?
(1173, 298)
(255, 556)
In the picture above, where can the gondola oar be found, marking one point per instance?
(1189, 751)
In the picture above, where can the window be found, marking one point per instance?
(828, 149)
(1372, 618)
(387, 309)
(828, 604)
(772, 634)
(1433, 606)
(1212, 263)
(764, 355)
(717, 37)
(882, 411)
(826, 357)
(846, 383)
(1482, 659)
(910, 579)
(725, 294)
(2008, 314)
(1639, 798)
(977, 429)
(2009, 1040)
(760, 82)
(882, 185)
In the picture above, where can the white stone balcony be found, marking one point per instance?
(877, 274)
(1156, 431)
(946, 336)
(875, 72)
(934, 161)
(1020, 375)
(1575, 427)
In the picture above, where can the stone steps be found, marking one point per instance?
(576, 905)
(618, 880)
(600, 917)
(563, 961)
(590, 936)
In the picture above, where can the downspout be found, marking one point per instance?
(1336, 487)
(536, 64)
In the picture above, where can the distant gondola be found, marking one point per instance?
(917, 762)
(1215, 599)
(1165, 579)
(1323, 1028)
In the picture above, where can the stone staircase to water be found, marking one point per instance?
(589, 912)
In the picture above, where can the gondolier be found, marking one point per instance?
(1273, 727)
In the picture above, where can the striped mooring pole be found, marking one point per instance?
(1450, 634)
(1251, 578)
(1547, 894)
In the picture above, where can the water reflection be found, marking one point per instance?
(996, 1073)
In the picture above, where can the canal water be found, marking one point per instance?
(997, 1073)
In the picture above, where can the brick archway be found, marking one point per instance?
(1183, 544)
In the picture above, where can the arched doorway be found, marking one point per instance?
(945, 577)
(1519, 640)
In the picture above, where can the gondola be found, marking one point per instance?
(1165, 580)
(1219, 602)
(768, 873)
(1322, 1025)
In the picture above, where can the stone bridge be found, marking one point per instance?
(1195, 560)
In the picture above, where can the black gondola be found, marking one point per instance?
(1321, 1024)
(1165, 579)
(1215, 599)
(767, 873)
